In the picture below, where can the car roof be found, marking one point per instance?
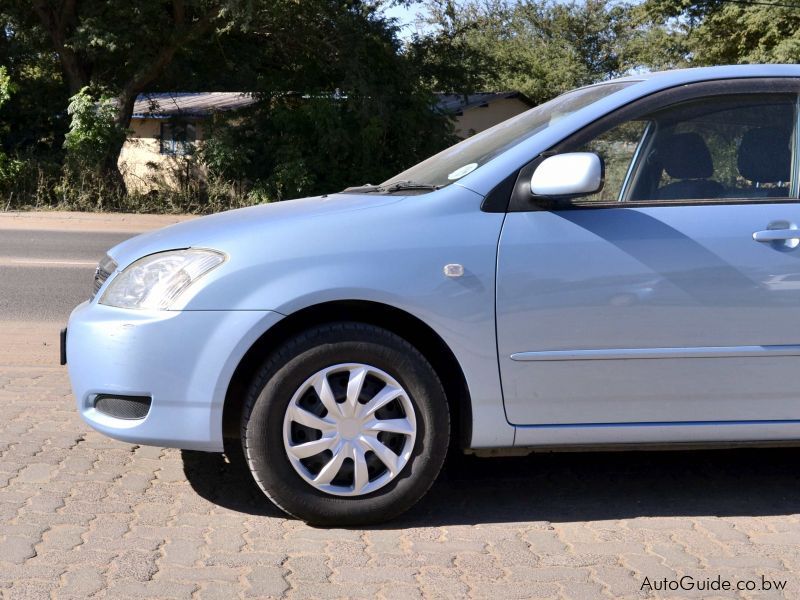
(694, 74)
(672, 77)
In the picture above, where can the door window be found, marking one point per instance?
(617, 147)
(716, 149)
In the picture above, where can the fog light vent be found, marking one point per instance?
(123, 407)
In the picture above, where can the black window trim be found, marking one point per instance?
(645, 142)
(522, 200)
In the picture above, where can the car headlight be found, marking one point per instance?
(104, 270)
(155, 281)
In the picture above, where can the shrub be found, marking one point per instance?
(92, 134)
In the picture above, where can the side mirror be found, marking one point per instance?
(570, 174)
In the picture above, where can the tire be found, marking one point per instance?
(337, 354)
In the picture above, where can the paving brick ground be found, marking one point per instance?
(83, 516)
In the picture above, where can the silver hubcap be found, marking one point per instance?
(349, 429)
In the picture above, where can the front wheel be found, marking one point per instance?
(346, 424)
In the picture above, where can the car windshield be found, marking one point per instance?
(458, 161)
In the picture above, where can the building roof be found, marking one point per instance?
(164, 105)
(188, 104)
(458, 103)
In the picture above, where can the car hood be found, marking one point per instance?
(221, 229)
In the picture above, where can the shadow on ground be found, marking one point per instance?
(564, 487)
(226, 483)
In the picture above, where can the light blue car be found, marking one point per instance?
(597, 271)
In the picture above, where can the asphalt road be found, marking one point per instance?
(45, 274)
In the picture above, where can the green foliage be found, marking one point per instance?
(362, 114)
(382, 123)
(10, 168)
(120, 47)
(656, 46)
(10, 171)
(112, 44)
(41, 186)
(93, 131)
(540, 48)
(33, 119)
(5, 86)
(342, 100)
(289, 147)
(747, 34)
(719, 32)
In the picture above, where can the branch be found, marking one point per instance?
(167, 52)
(178, 12)
(68, 13)
(180, 37)
(48, 19)
(56, 27)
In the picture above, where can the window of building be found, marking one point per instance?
(178, 139)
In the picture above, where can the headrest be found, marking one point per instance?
(765, 155)
(686, 156)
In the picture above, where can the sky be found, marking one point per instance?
(406, 18)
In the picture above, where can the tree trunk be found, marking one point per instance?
(58, 24)
(111, 169)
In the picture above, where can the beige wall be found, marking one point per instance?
(142, 164)
(474, 120)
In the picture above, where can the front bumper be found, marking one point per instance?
(183, 360)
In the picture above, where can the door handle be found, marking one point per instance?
(776, 235)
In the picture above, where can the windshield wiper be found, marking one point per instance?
(395, 187)
(411, 185)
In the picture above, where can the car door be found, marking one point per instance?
(662, 299)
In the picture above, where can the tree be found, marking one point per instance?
(722, 32)
(119, 48)
(8, 167)
(5, 86)
(32, 119)
(538, 47)
(337, 98)
(339, 105)
(452, 58)
(122, 49)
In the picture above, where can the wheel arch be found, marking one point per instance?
(409, 327)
